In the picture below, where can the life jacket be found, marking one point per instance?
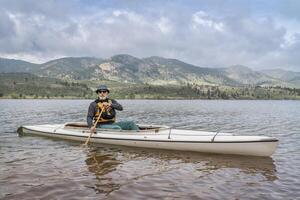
(107, 116)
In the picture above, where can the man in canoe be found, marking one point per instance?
(103, 112)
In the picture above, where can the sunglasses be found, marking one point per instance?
(102, 91)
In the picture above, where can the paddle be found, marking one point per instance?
(88, 139)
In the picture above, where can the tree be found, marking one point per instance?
(212, 93)
(131, 96)
(217, 92)
(14, 96)
(224, 95)
(208, 94)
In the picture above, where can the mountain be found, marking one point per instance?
(66, 68)
(12, 65)
(122, 68)
(151, 70)
(159, 71)
(247, 76)
(293, 78)
(69, 68)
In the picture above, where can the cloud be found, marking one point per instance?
(208, 34)
(201, 18)
(164, 25)
(6, 26)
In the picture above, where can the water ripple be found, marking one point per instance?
(43, 168)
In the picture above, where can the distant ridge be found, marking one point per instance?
(13, 65)
(151, 70)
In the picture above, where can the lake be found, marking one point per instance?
(43, 168)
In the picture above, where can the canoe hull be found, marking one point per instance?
(203, 144)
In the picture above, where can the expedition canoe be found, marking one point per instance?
(161, 137)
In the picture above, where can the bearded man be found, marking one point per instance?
(106, 108)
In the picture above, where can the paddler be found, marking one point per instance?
(107, 108)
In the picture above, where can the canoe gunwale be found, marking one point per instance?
(150, 140)
(143, 127)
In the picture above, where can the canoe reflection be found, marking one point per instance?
(248, 165)
(118, 166)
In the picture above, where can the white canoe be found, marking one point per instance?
(161, 137)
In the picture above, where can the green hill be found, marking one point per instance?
(69, 68)
(12, 65)
(25, 85)
(291, 78)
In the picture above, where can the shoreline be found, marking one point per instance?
(212, 99)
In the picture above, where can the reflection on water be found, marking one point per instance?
(43, 168)
(102, 163)
(106, 163)
(248, 165)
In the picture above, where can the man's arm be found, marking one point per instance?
(90, 114)
(116, 105)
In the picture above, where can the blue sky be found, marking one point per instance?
(260, 34)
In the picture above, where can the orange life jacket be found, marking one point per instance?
(107, 116)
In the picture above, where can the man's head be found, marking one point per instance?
(102, 92)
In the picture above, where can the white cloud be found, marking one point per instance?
(201, 18)
(36, 58)
(117, 13)
(292, 30)
(200, 36)
(164, 25)
(130, 16)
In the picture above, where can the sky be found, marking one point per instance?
(260, 34)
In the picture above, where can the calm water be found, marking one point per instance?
(43, 168)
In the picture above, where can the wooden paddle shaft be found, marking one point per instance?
(88, 139)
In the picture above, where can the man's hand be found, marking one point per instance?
(93, 129)
(106, 105)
